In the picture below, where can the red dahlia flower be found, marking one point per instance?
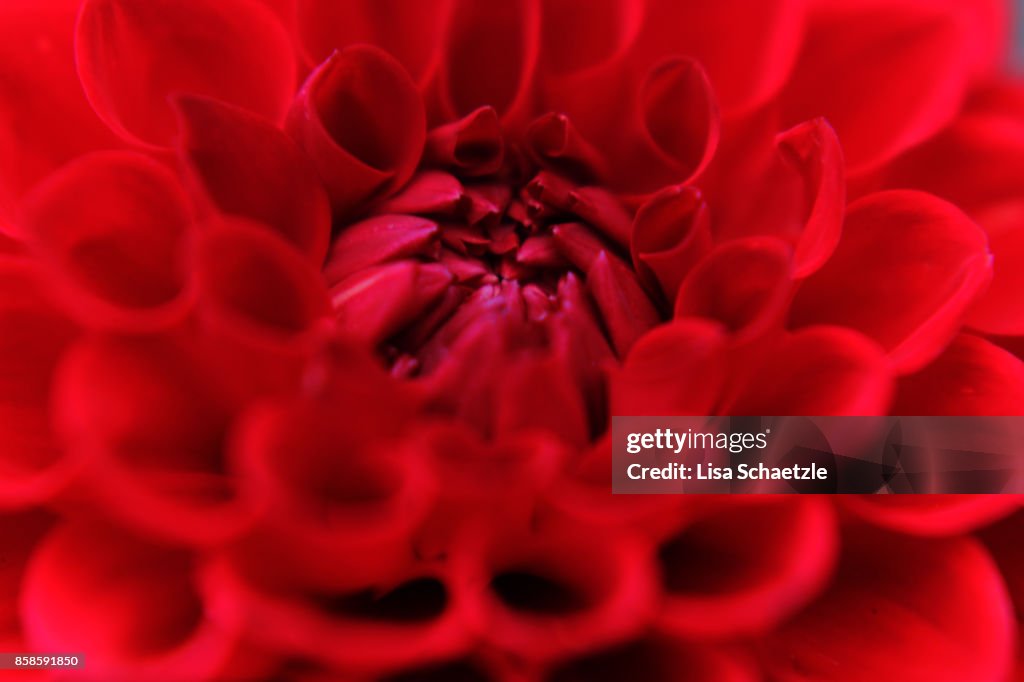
(313, 316)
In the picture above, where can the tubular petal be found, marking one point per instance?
(133, 54)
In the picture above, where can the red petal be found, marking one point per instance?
(626, 310)
(517, 587)
(744, 284)
(131, 55)
(335, 495)
(670, 233)
(150, 428)
(488, 59)
(911, 71)
(47, 125)
(153, 616)
(409, 31)
(20, 534)
(378, 302)
(815, 371)
(932, 514)
(678, 368)
(745, 567)
(891, 614)
(262, 306)
(429, 192)
(555, 144)
(112, 226)
(376, 240)
(34, 335)
(906, 270)
(765, 36)
(473, 145)
(360, 120)
(540, 393)
(971, 377)
(249, 168)
(814, 150)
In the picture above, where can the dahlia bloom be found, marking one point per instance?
(314, 315)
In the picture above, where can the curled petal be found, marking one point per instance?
(261, 305)
(488, 58)
(814, 150)
(914, 54)
(247, 167)
(34, 335)
(744, 284)
(409, 31)
(112, 226)
(519, 588)
(43, 127)
(376, 240)
(360, 120)
(378, 302)
(815, 371)
(678, 368)
(890, 613)
(744, 568)
(408, 622)
(765, 36)
(150, 427)
(928, 263)
(473, 145)
(332, 493)
(671, 232)
(133, 54)
(154, 618)
(971, 377)
(554, 143)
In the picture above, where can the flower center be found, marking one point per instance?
(457, 281)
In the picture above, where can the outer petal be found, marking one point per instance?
(247, 167)
(45, 120)
(816, 371)
(21, 534)
(112, 227)
(971, 377)
(408, 30)
(765, 36)
(744, 284)
(906, 270)
(154, 623)
(891, 613)
(932, 515)
(907, 65)
(671, 232)
(658, 659)
(360, 120)
(34, 335)
(678, 368)
(150, 428)
(743, 567)
(132, 54)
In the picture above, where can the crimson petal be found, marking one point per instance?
(890, 614)
(360, 120)
(153, 615)
(911, 72)
(473, 145)
(671, 232)
(133, 54)
(745, 567)
(928, 262)
(247, 167)
(112, 226)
